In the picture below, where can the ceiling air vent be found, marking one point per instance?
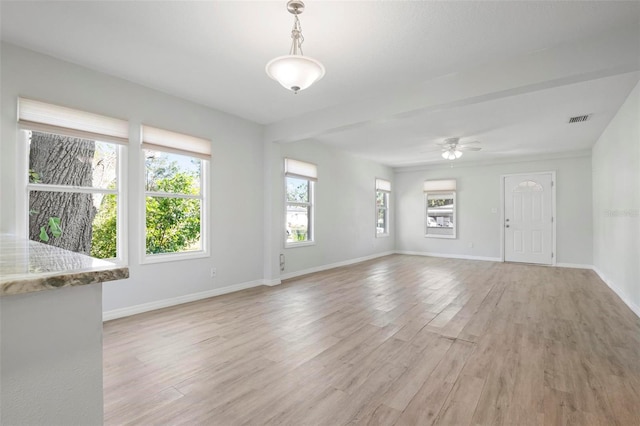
(579, 118)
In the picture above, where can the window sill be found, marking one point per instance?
(301, 244)
(173, 257)
(451, 237)
(382, 235)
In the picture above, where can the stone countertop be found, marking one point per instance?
(28, 266)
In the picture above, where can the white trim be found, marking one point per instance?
(449, 256)
(122, 214)
(554, 184)
(22, 182)
(146, 307)
(172, 195)
(159, 304)
(121, 193)
(173, 257)
(387, 213)
(334, 265)
(204, 198)
(573, 265)
(311, 231)
(454, 215)
(299, 244)
(621, 294)
(75, 189)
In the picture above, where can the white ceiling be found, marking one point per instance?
(400, 75)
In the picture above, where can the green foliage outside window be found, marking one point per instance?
(173, 224)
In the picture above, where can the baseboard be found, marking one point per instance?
(449, 256)
(333, 265)
(165, 303)
(622, 295)
(159, 304)
(573, 265)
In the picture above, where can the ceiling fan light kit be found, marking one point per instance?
(295, 71)
(451, 154)
(452, 148)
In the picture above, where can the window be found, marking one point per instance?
(300, 178)
(175, 205)
(383, 190)
(440, 202)
(74, 191)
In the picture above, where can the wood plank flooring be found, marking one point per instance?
(400, 340)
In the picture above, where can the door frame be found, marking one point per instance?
(554, 184)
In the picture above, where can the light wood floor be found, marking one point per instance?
(401, 340)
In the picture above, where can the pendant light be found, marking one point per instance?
(295, 71)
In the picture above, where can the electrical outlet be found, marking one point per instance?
(213, 272)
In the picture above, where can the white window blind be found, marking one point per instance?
(383, 185)
(300, 169)
(177, 143)
(44, 117)
(439, 185)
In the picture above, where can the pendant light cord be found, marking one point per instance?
(297, 37)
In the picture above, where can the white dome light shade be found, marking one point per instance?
(451, 154)
(295, 72)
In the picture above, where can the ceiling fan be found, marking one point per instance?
(452, 148)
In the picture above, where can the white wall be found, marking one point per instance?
(236, 172)
(616, 202)
(51, 357)
(479, 192)
(344, 209)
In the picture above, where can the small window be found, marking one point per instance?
(528, 186)
(440, 209)
(74, 178)
(300, 178)
(383, 191)
(175, 171)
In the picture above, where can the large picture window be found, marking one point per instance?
(440, 207)
(175, 176)
(383, 191)
(300, 178)
(74, 178)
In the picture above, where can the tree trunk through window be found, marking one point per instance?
(62, 160)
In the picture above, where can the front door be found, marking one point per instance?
(528, 218)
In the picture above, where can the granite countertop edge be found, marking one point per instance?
(41, 282)
(29, 266)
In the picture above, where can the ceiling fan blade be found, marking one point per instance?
(469, 148)
(431, 149)
(448, 142)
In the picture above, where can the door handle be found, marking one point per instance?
(506, 226)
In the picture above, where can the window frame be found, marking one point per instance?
(311, 235)
(301, 170)
(381, 186)
(452, 193)
(204, 198)
(22, 206)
